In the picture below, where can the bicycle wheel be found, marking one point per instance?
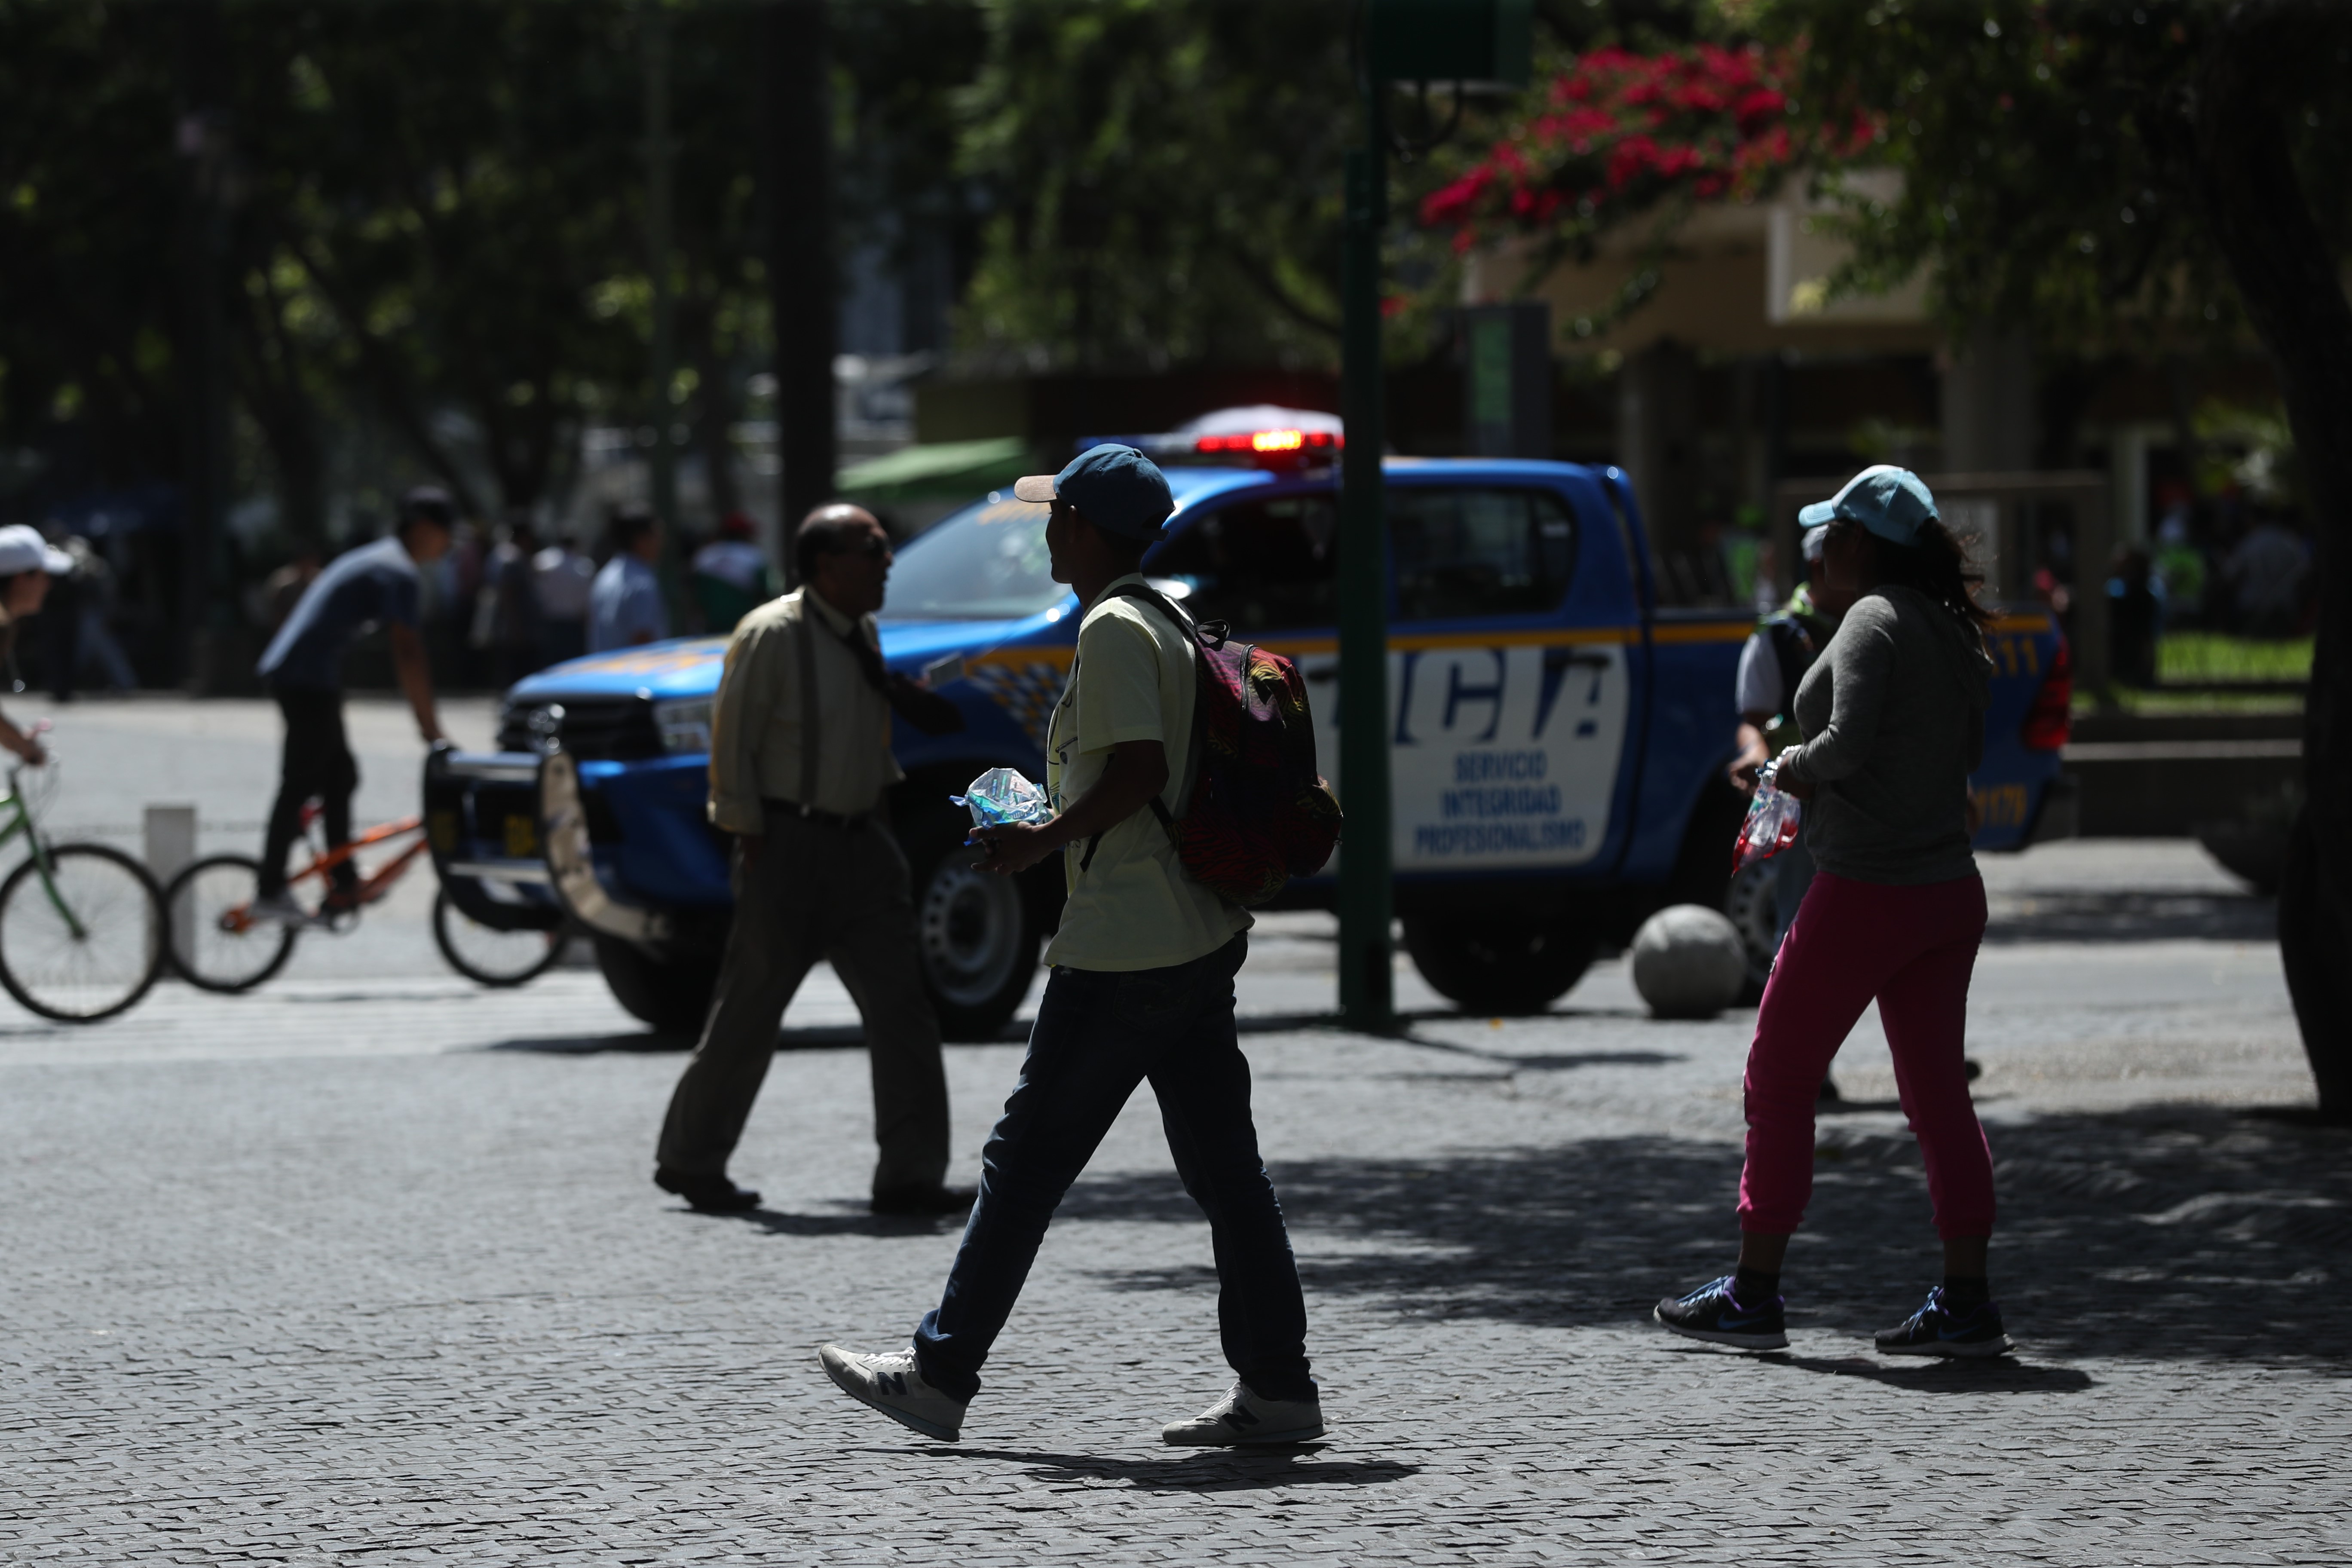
(86, 940)
(214, 944)
(490, 956)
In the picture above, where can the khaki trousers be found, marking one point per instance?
(818, 889)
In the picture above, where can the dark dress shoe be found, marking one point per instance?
(710, 1194)
(924, 1200)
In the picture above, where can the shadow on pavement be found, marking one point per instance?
(643, 1042)
(2178, 1231)
(1215, 1471)
(1994, 1374)
(2124, 915)
(775, 1222)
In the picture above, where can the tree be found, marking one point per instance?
(89, 190)
(1619, 137)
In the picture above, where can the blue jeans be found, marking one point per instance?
(1099, 1035)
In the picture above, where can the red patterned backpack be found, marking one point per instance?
(1256, 813)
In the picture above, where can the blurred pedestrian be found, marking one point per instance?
(800, 759)
(2265, 571)
(1142, 989)
(507, 616)
(2135, 617)
(1893, 715)
(729, 574)
(625, 606)
(284, 588)
(562, 579)
(96, 596)
(28, 565)
(375, 585)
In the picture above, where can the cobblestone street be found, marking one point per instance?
(365, 1267)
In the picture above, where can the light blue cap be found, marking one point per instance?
(1891, 502)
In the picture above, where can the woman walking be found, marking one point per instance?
(1893, 716)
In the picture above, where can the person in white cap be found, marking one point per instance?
(27, 563)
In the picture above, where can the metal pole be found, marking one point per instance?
(804, 293)
(1365, 962)
(664, 368)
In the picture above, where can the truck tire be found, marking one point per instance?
(976, 933)
(669, 992)
(1498, 967)
(1752, 905)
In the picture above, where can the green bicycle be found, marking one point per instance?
(83, 932)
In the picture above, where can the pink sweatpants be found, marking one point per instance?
(1912, 949)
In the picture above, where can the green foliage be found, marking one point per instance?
(1165, 180)
(2212, 656)
(2248, 448)
(2040, 144)
(89, 197)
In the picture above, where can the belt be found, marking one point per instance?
(811, 814)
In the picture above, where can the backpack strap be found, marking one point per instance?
(1202, 635)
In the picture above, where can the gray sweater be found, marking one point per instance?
(1893, 716)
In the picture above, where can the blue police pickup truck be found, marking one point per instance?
(1559, 738)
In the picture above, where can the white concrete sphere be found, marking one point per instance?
(1687, 961)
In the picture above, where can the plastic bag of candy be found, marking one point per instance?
(1001, 795)
(1773, 819)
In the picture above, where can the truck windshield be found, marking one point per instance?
(987, 562)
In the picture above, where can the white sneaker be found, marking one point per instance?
(281, 909)
(893, 1384)
(1241, 1417)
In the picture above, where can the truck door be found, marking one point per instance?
(1508, 725)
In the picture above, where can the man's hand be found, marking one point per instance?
(1794, 787)
(1754, 752)
(1014, 847)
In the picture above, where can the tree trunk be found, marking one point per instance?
(2263, 224)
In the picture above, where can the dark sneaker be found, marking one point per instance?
(1936, 1329)
(711, 1194)
(1714, 1314)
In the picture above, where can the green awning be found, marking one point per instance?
(940, 470)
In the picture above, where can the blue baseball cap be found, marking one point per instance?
(1118, 488)
(1891, 502)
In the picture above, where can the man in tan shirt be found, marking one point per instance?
(817, 874)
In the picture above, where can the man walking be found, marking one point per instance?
(1142, 989)
(625, 606)
(800, 756)
(563, 579)
(377, 584)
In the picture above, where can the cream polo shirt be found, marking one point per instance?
(756, 726)
(1136, 906)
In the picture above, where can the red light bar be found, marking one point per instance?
(1271, 443)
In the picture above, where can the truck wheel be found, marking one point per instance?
(672, 993)
(975, 935)
(1753, 906)
(1498, 967)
